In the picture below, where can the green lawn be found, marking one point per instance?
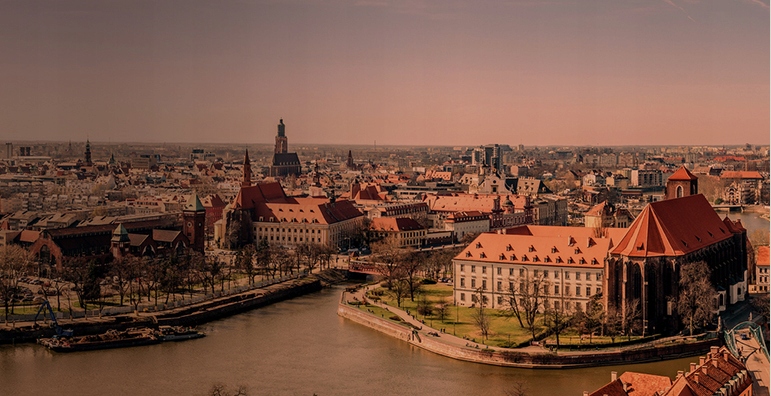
(458, 320)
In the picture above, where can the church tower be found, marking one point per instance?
(682, 184)
(247, 182)
(88, 153)
(194, 216)
(119, 244)
(282, 145)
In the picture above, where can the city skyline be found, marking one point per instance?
(399, 73)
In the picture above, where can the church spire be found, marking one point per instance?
(88, 153)
(247, 171)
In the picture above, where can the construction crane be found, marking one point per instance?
(45, 306)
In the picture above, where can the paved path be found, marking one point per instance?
(757, 363)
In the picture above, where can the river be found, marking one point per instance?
(296, 347)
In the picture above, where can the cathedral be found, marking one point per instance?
(284, 163)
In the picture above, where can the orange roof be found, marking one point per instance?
(641, 384)
(741, 175)
(307, 210)
(761, 259)
(719, 368)
(673, 227)
(541, 245)
(29, 236)
(597, 210)
(683, 174)
(394, 224)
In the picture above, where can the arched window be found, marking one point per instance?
(679, 191)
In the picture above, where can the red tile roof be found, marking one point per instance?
(673, 227)
(394, 224)
(307, 210)
(741, 175)
(542, 245)
(248, 197)
(762, 256)
(682, 174)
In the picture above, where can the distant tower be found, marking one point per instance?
(88, 153)
(247, 182)
(119, 244)
(281, 142)
(350, 160)
(194, 216)
(682, 184)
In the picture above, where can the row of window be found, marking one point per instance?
(292, 239)
(579, 306)
(545, 273)
(295, 230)
(499, 287)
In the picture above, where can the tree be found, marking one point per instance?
(525, 299)
(479, 315)
(119, 270)
(221, 390)
(441, 311)
(245, 261)
(424, 307)
(386, 253)
(594, 316)
(631, 317)
(411, 264)
(760, 304)
(694, 302)
(557, 317)
(14, 262)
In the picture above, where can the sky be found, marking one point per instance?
(406, 72)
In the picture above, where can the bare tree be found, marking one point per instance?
(14, 262)
(222, 390)
(387, 254)
(594, 316)
(479, 315)
(557, 317)
(694, 302)
(631, 317)
(441, 311)
(526, 299)
(245, 261)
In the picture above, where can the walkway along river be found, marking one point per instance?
(294, 347)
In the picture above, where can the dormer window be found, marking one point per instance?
(577, 251)
(502, 257)
(582, 261)
(594, 261)
(535, 258)
(482, 255)
(571, 261)
(513, 258)
(531, 248)
(547, 259)
(558, 260)
(479, 245)
(508, 248)
(697, 238)
(554, 249)
(524, 257)
(468, 254)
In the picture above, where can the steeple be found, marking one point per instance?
(247, 171)
(88, 153)
(281, 140)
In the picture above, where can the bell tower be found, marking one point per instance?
(194, 217)
(282, 145)
(682, 184)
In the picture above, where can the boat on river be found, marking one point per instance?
(120, 339)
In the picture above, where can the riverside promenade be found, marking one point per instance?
(422, 336)
(184, 313)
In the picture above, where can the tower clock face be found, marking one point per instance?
(189, 224)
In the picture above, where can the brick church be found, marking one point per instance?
(645, 264)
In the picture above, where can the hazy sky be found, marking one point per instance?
(449, 72)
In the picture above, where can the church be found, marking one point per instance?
(284, 163)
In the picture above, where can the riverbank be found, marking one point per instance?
(418, 334)
(187, 315)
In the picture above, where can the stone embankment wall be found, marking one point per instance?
(515, 358)
(187, 316)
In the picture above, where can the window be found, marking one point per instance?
(545, 274)
(588, 275)
(588, 291)
(567, 290)
(578, 276)
(484, 269)
(578, 290)
(511, 285)
(473, 283)
(499, 270)
(598, 276)
(499, 286)
(556, 289)
(462, 282)
(567, 275)
(484, 284)
(463, 296)
(473, 268)
(511, 271)
(500, 300)
(597, 290)
(556, 274)
(473, 298)
(462, 267)
(521, 272)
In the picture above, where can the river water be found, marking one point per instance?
(296, 347)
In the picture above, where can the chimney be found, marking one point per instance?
(693, 368)
(613, 375)
(704, 369)
(696, 377)
(586, 393)
(679, 374)
(714, 361)
(713, 350)
(701, 360)
(725, 355)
